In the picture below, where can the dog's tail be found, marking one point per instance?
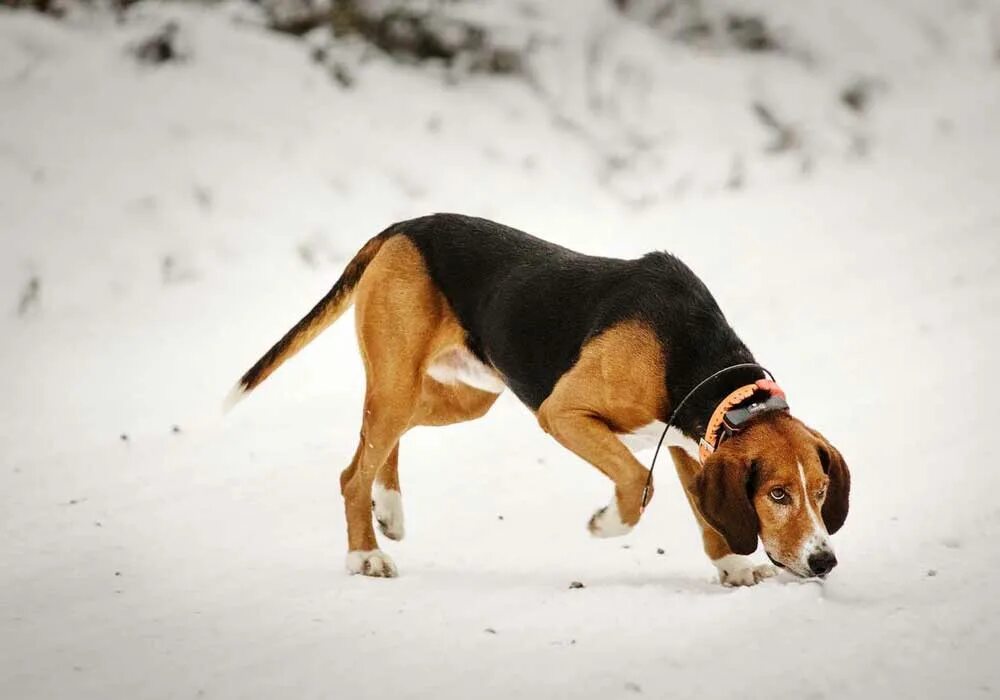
(321, 317)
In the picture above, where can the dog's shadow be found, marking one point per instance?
(570, 581)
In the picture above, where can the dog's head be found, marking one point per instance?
(782, 482)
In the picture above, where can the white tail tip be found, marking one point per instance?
(235, 395)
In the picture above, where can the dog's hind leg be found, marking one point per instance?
(402, 320)
(384, 424)
(455, 402)
(439, 404)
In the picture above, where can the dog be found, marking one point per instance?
(451, 310)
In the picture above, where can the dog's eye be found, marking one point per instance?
(778, 495)
(820, 494)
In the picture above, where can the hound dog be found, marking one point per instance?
(451, 310)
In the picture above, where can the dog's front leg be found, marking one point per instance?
(617, 381)
(589, 437)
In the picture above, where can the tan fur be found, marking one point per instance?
(402, 323)
(615, 386)
(775, 446)
(780, 448)
(439, 404)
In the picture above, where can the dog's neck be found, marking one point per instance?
(693, 417)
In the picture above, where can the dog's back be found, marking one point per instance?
(527, 305)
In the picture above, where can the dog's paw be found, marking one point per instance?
(387, 505)
(374, 562)
(607, 522)
(738, 570)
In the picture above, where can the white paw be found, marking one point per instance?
(388, 507)
(374, 562)
(738, 570)
(607, 522)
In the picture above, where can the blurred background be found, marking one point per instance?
(181, 181)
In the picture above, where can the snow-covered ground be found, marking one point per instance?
(162, 225)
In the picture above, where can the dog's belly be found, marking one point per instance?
(458, 365)
(646, 437)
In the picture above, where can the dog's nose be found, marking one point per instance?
(821, 563)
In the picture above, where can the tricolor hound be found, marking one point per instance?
(451, 310)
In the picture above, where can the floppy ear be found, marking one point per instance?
(839, 490)
(722, 491)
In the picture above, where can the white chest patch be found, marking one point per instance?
(458, 365)
(646, 437)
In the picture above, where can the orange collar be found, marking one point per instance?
(713, 433)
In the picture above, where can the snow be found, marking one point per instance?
(179, 218)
